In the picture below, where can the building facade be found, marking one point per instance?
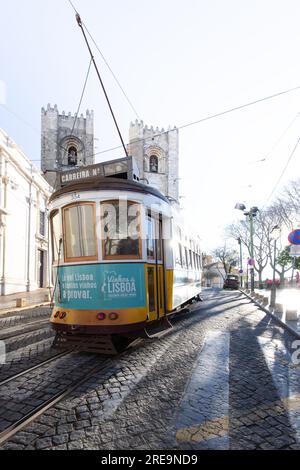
(156, 154)
(67, 141)
(23, 221)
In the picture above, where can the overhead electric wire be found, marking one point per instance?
(281, 137)
(79, 22)
(107, 64)
(211, 116)
(283, 171)
(207, 118)
(81, 98)
(21, 119)
(78, 109)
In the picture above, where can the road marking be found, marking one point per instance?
(285, 377)
(203, 418)
(203, 413)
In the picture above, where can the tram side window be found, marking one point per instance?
(185, 258)
(154, 237)
(178, 255)
(150, 237)
(195, 260)
(159, 247)
(120, 229)
(79, 232)
(55, 230)
(190, 263)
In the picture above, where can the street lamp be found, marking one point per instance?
(275, 234)
(241, 260)
(251, 213)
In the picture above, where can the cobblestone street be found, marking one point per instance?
(222, 378)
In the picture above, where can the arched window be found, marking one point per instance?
(153, 164)
(72, 156)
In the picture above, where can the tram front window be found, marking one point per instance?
(120, 229)
(79, 232)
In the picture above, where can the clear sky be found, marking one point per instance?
(178, 62)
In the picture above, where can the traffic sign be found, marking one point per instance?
(294, 237)
(241, 271)
(295, 250)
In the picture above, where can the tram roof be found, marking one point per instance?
(108, 183)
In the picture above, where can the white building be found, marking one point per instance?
(23, 221)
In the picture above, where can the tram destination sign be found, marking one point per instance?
(81, 173)
(125, 166)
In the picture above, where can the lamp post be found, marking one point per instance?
(251, 213)
(241, 260)
(275, 234)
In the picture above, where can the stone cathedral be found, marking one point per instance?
(68, 143)
(156, 154)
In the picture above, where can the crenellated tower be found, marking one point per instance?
(67, 141)
(156, 154)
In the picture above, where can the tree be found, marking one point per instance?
(287, 204)
(241, 230)
(282, 212)
(227, 256)
(287, 262)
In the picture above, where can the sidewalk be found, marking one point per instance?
(33, 298)
(288, 298)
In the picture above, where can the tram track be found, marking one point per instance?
(22, 329)
(40, 364)
(14, 319)
(41, 408)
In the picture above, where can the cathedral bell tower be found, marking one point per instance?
(67, 142)
(156, 154)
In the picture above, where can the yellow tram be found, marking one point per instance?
(122, 260)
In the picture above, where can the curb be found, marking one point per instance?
(21, 309)
(266, 310)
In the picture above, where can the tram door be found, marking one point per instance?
(155, 268)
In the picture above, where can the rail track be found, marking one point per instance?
(38, 410)
(22, 329)
(36, 366)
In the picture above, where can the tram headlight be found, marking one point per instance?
(113, 316)
(101, 316)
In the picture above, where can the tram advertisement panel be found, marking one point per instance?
(105, 286)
